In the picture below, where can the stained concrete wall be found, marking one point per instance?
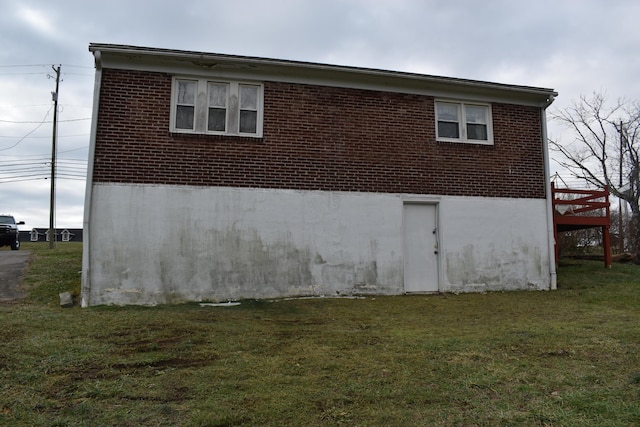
(153, 244)
(494, 244)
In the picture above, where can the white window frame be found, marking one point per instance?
(462, 122)
(201, 114)
(176, 104)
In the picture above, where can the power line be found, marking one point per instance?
(31, 122)
(43, 137)
(44, 105)
(25, 74)
(24, 66)
(3, 181)
(70, 166)
(75, 149)
(72, 74)
(13, 169)
(41, 65)
(24, 106)
(40, 155)
(30, 132)
(40, 178)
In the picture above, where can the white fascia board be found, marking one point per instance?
(263, 69)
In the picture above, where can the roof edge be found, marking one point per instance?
(185, 55)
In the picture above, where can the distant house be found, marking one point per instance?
(220, 177)
(42, 235)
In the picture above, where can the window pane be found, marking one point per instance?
(476, 114)
(248, 121)
(248, 97)
(217, 119)
(184, 117)
(448, 130)
(186, 92)
(477, 132)
(217, 95)
(447, 111)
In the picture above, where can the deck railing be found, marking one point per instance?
(579, 209)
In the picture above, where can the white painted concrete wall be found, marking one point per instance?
(163, 244)
(494, 244)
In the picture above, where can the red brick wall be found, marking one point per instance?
(315, 138)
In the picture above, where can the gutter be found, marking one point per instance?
(553, 276)
(284, 70)
(86, 247)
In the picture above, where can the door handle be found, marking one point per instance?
(437, 245)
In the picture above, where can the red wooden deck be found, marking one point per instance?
(579, 209)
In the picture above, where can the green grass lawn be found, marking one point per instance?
(570, 357)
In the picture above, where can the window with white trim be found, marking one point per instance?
(217, 94)
(464, 122)
(248, 108)
(185, 104)
(216, 107)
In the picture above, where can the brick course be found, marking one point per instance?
(315, 138)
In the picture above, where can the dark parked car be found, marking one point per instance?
(9, 235)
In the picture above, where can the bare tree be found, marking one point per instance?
(620, 230)
(605, 151)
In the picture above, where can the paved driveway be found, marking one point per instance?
(12, 264)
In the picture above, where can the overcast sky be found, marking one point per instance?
(573, 46)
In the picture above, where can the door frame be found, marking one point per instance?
(438, 235)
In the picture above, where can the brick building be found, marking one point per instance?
(219, 177)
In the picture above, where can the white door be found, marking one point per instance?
(420, 236)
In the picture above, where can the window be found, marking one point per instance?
(463, 122)
(216, 107)
(248, 108)
(185, 104)
(217, 120)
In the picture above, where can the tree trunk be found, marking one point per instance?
(635, 235)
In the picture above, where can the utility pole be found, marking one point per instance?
(52, 199)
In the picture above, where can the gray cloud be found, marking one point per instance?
(573, 46)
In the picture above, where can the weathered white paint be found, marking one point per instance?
(162, 244)
(547, 178)
(420, 247)
(494, 244)
(89, 186)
